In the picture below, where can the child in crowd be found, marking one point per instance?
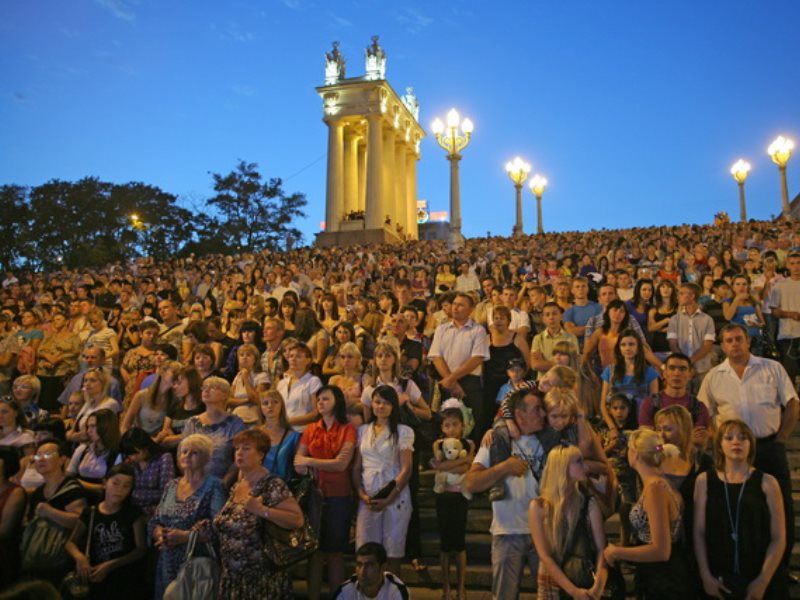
(116, 530)
(452, 504)
(516, 371)
(615, 446)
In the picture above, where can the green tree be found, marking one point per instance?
(14, 222)
(255, 214)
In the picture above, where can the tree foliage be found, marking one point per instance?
(255, 214)
(91, 222)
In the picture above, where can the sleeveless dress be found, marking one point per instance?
(659, 338)
(660, 580)
(753, 534)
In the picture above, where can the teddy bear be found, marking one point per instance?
(450, 449)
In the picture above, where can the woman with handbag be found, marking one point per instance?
(256, 499)
(114, 535)
(53, 511)
(189, 502)
(327, 447)
(567, 529)
(738, 511)
(381, 471)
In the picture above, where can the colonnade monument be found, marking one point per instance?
(373, 148)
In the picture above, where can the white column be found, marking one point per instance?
(334, 201)
(362, 174)
(350, 170)
(374, 196)
(411, 193)
(389, 206)
(400, 194)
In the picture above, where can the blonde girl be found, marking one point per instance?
(567, 530)
(657, 522)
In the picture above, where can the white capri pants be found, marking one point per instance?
(388, 527)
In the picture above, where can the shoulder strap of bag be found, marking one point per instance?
(578, 527)
(89, 534)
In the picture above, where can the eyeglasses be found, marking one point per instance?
(44, 455)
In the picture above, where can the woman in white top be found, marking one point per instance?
(91, 460)
(247, 384)
(298, 387)
(95, 384)
(387, 365)
(382, 468)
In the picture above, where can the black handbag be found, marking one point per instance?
(287, 547)
(308, 495)
(579, 559)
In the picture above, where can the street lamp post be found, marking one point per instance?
(537, 185)
(454, 141)
(740, 170)
(780, 151)
(518, 170)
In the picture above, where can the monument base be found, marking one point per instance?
(327, 239)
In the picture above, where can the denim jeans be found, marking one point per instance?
(509, 553)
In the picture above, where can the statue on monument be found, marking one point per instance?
(411, 102)
(375, 60)
(334, 65)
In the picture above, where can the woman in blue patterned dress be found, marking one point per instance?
(189, 502)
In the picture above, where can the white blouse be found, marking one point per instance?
(380, 455)
(298, 395)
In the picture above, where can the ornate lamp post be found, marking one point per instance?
(453, 143)
(537, 185)
(518, 170)
(740, 170)
(780, 151)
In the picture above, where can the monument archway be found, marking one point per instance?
(373, 148)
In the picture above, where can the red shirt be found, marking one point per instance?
(326, 444)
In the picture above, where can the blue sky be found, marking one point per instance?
(634, 111)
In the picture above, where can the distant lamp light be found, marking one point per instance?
(780, 151)
(537, 185)
(518, 170)
(740, 170)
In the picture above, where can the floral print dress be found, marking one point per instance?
(247, 573)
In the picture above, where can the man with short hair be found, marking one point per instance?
(544, 343)
(582, 309)
(677, 376)
(272, 359)
(784, 301)
(171, 330)
(458, 351)
(759, 392)
(481, 310)
(691, 332)
(372, 581)
(467, 281)
(521, 473)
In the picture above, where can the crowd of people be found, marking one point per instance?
(647, 373)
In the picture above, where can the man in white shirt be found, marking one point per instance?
(467, 281)
(757, 391)
(458, 351)
(784, 302)
(692, 332)
(371, 580)
(521, 472)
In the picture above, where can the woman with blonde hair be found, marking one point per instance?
(657, 522)
(567, 529)
(188, 501)
(350, 379)
(247, 385)
(95, 393)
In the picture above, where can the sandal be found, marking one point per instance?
(418, 565)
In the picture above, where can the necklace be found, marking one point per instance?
(734, 521)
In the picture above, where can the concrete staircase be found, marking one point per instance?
(427, 585)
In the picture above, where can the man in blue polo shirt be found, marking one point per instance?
(582, 309)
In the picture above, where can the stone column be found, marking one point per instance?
(374, 195)
(389, 205)
(411, 193)
(362, 175)
(334, 197)
(400, 193)
(350, 170)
